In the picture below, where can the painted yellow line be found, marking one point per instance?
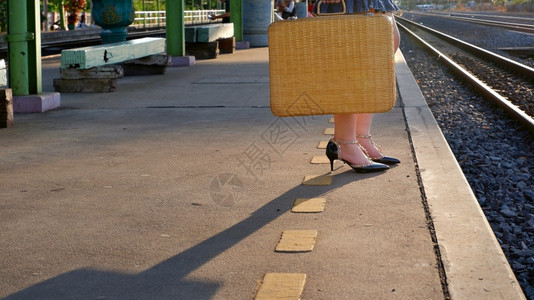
(287, 286)
(308, 205)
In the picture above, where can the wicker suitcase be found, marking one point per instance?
(332, 65)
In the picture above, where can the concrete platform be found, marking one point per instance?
(179, 186)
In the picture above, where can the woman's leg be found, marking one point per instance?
(396, 34)
(363, 128)
(363, 121)
(345, 129)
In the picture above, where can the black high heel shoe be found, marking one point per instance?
(382, 159)
(333, 152)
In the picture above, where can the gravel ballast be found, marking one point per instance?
(495, 153)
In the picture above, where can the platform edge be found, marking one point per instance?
(475, 265)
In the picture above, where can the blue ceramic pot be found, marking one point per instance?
(113, 16)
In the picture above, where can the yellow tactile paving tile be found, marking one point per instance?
(322, 145)
(319, 159)
(287, 286)
(308, 205)
(297, 241)
(317, 180)
(328, 131)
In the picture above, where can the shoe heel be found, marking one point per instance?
(332, 154)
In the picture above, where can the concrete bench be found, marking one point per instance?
(207, 41)
(3, 73)
(97, 68)
(6, 99)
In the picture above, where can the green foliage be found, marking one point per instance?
(201, 4)
(3, 15)
(519, 2)
(152, 5)
(149, 5)
(54, 5)
(74, 7)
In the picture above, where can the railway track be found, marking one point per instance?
(519, 18)
(514, 23)
(503, 81)
(494, 151)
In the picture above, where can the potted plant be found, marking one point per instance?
(73, 7)
(113, 16)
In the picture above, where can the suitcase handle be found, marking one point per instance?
(320, 2)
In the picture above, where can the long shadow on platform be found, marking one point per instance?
(167, 279)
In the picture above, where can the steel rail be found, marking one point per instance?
(525, 71)
(479, 86)
(475, 15)
(511, 26)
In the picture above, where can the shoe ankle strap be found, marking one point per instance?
(347, 142)
(344, 142)
(358, 136)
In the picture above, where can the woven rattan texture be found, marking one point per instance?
(332, 65)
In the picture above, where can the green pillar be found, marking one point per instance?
(236, 17)
(24, 44)
(17, 39)
(175, 27)
(34, 48)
